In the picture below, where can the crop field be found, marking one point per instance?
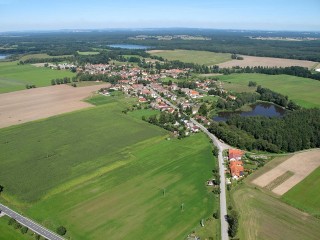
(305, 195)
(41, 55)
(102, 173)
(251, 61)
(33, 104)
(14, 77)
(289, 173)
(191, 56)
(88, 53)
(303, 91)
(265, 217)
(263, 211)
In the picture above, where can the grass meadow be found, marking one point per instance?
(265, 217)
(14, 77)
(104, 174)
(191, 56)
(268, 216)
(9, 233)
(303, 91)
(305, 195)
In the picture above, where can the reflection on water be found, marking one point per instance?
(259, 109)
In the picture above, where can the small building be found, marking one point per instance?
(236, 169)
(235, 154)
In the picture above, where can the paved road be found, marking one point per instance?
(221, 146)
(223, 201)
(30, 224)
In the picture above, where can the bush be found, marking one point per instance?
(61, 230)
(24, 230)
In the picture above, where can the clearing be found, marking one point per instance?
(250, 61)
(14, 77)
(101, 173)
(32, 104)
(290, 86)
(192, 56)
(300, 165)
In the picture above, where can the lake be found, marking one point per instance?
(3, 56)
(129, 46)
(259, 109)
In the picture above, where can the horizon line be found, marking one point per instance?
(153, 28)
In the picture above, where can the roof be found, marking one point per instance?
(235, 153)
(236, 168)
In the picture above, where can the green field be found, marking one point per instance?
(88, 53)
(191, 56)
(14, 77)
(264, 216)
(9, 233)
(41, 55)
(305, 195)
(102, 173)
(303, 91)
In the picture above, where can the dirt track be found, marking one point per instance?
(266, 62)
(28, 105)
(301, 164)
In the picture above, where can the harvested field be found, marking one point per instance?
(301, 165)
(267, 62)
(28, 105)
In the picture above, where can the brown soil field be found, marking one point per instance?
(33, 104)
(301, 165)
(266, 62)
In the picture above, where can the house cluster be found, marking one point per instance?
(235, 163)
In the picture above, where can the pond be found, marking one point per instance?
(259, 109)
(129, 46)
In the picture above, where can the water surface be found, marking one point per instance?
(259, 109)
(129, 46)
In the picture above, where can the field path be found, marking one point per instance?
(33, 104)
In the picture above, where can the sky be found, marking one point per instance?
(291, 15)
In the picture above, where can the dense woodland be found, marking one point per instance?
(293, 71)
(297, 130)
(237, 42)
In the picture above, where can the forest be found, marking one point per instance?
(297, 130)
(236, 42)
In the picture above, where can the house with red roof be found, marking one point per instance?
(235, 154)
(236, 169)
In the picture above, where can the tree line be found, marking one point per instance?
(293, 71)
(297, 130)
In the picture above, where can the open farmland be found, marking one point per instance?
(265, 217)
(250, 61)
(191, 56)
(14, 77)
(303, 91)
(32, 104)
(305, 195)
(300, 165)
(263, 211)
(101, 173)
